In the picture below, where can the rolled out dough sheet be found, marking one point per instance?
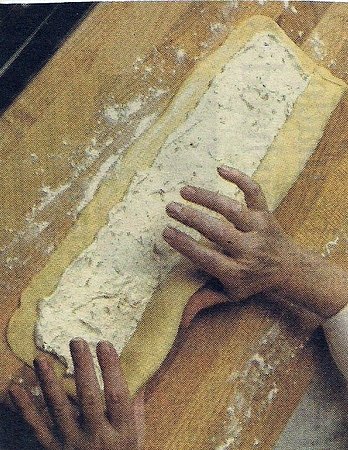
(279, 168)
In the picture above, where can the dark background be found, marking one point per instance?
(29, 36)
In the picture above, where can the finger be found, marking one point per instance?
(117, 397)
(200, 300)
(139, 415)
(215, 230)
(232, 210)
(56, 399)
(24, 403)
(36, 395)
(253, 194)
(208, 259)
(87, 386)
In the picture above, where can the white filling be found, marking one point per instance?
(103, 293)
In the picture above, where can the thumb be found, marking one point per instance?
(139, 416)
(202, 299)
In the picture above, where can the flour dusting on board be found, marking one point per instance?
(107, 166)
(330, 246)
(235, 3)
(337, 244)
(121, 113)
(48, 196)
(181, 55)
(318, 47)
(94, 184)
(104, 292)
(254, 390)
(217, 27)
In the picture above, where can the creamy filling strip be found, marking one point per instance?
(104, 292)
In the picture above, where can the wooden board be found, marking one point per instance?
(43, 138)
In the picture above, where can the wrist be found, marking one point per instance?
(295, 260)
(314, 283)
(300, 270)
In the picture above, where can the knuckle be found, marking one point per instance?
(189, 217)
(263, 223)
(128, 442)
(50, 385)
(200, 220)
(260, 220)
(59, 413)
(255, 188)
(228, 206)
(209, 197)
(89, 400)
(115, 397)
(223, 270)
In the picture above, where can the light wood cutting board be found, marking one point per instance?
(57, 116)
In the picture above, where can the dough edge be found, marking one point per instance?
(276, 173)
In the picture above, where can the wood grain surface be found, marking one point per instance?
(238, 370)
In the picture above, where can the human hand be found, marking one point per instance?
(102, 422)
(252, 253)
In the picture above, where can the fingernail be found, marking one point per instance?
(227, 169)
(13, 391)
(106, 345)
(174, 208)
(77, 344)
(189, 190)
(40, 363)
(169, 233)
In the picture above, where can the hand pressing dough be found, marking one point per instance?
(257, 103)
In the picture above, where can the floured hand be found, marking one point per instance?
(102, 422)
(252, 253)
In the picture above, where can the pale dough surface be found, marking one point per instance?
(104, 292)
(278, 170)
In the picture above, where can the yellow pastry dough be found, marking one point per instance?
(285, 158)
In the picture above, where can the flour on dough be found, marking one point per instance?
(104, 292)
